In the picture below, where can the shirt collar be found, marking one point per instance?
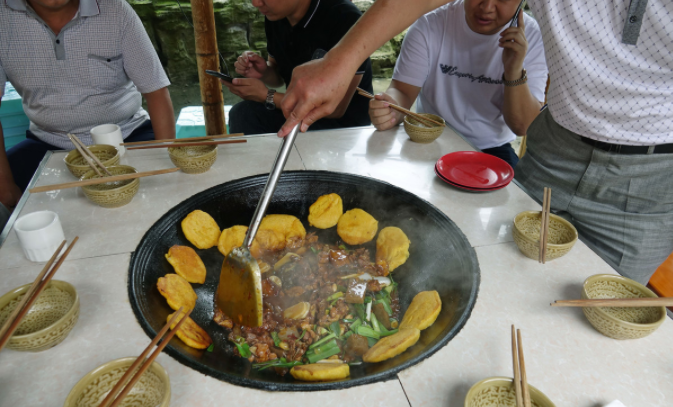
(87, 8)
(303, 23)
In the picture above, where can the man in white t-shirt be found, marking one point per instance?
(466, 64)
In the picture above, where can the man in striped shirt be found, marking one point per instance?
(77, 64)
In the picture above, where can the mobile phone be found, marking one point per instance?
(220, 75)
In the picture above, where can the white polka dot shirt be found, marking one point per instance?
(602, 87)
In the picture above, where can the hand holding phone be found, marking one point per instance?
(220, 75)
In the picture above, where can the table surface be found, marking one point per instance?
(566, 358)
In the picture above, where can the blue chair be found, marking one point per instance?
(14, 120)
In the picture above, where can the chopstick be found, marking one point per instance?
(214, 137)
(74, 140)
(184, 144)
(544, 224)
(33, 292)
(124, 379)
(616, 302)
(420, 118)
(525, 394)
(103, 180)
(148, 362)
(85, 155)
(517, 373)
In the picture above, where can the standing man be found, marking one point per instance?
(77, 64)
(605, 145)
(465, 64)
(297, 31)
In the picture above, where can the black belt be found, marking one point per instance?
(622, 149)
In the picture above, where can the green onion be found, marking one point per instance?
(360, 310)
(324, 347)
(276, 339)
(356, 324)
(346, 335)
(211, 347)
(335, 328)
(368, 299)
(312, 358)
(375, 323)
(358, 363)
(321, 331)
(342, 247)
(368, 332)
(323, 340)
(349, 276)
(371, 341)
(314, 250)
(349, 321)
(369, 311)
(300, 336)
(282, 362)
(335, 296)
(388, 333)
(243, 349)
(386, 305)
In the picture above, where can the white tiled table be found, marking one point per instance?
(566, 358)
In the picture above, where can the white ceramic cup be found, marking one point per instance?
(40, 234)
(109, 134)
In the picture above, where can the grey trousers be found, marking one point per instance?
(622, 205)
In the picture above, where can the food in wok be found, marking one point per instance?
(392, 246)
(191, 334)
(187, 264)
(356, 227)
(177, 291)
(201, 229)
(325, 211)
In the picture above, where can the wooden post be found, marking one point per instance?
(203, 16)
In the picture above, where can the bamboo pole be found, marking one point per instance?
(203, 16)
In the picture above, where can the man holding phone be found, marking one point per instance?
(297, 31)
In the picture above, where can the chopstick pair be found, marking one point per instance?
(215, 137)
(32, 293)
(544, 224)
(129, 379)
(520, 381)
(616, 302)
(420, 118)
(90, 157)
(187, 144)
(102, 180)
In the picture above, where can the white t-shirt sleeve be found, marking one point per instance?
(535, 63)
(413, 64)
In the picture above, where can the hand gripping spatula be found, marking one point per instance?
(239, 293)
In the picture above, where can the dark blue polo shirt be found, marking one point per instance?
(325, 22)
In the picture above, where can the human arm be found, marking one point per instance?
(251, 65)
(399, 93)
(520, 107)
(9, 191)
(318, 85)
(160, 108)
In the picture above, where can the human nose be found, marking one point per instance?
(256, 3)
(488, 5)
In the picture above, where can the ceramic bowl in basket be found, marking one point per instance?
(621, 322)
(420, 132)
(112, 194)
(499, 391)
(152, 390)
(526, 232)
(193, 159)
(108, 155)
(50, 319)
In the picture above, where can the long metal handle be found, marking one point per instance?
(278, 165)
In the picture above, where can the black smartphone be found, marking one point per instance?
(220, 75)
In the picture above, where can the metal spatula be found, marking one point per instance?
(239, 293)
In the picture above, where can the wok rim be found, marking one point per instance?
(304, 386)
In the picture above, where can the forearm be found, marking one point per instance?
(9, 192)
(160, 108)
(520, 108)
(383, 20)
(405, 97)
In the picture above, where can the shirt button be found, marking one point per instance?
(633, 19)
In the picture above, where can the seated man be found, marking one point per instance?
(468, 67)
(297, 31)
(77, 64)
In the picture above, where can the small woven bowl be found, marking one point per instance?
(499, 391)
(108, 155)
(50, 319)
(152, 390)
(421, 133)
(112, 194)
(616, 322)
(193, 159)
(526, 232)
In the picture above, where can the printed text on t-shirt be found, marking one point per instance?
(453, 71)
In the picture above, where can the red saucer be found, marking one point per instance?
(468, 188)
(473, 169)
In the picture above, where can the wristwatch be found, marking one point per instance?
(269, 100)
(524, 79)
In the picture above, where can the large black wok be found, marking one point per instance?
(440, 259)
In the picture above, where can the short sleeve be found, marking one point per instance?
(413, 64)
(535, 63)
(141, 62)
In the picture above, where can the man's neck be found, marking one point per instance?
(56, 18)
(299, 13)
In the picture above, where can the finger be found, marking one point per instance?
(378, 104)
(381, 119)
(380, 112)
(315, 115)
(520, 20)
